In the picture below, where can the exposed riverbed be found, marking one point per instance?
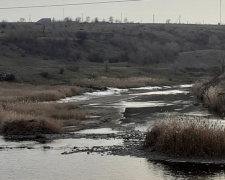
(111, 147)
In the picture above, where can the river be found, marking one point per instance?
(80, 156)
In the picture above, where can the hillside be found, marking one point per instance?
(59, 52)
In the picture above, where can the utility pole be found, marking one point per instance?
(121, 18)
(220, 11)
(63, 13)
(153, 19)
(82, 18)
(179, 19)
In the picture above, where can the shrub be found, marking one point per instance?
(44, 74)
(187, 137)
(81, 36)
(21, 127)
(74, 69)
(3, 24)
(96, 58)
(61, 71)
(10, 77)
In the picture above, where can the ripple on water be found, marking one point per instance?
(97, 131)
(91, 95)
(164, 92)
(51, 165)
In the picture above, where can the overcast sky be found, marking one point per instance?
(191, 11)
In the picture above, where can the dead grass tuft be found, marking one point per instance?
(187, 137)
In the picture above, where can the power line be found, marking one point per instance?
(60, 5)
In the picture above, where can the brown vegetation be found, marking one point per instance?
(211, 94)
(25, 92)
(24, 109)
(187, 137)
(130, 82)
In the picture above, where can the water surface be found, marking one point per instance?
(140, 108)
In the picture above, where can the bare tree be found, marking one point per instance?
(88, 19)
(68, 19)
(167, 21)
(111, 20)
(22, 20)
(221, 61)
(96, 20)
(117, 21)
(125, 20)
(78, 19)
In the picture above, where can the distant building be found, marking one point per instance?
(45, 20)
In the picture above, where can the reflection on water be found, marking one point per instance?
(60, 143)
(97, 131)
(165, 92)
(93, 95)
(50, 164)
(192, 171)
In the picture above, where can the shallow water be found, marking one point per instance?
(98, 131)
(39, 165)
(50, 164)
(140, 108)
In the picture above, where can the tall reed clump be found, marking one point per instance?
(187, 137)
(210, 95)
(199, 88)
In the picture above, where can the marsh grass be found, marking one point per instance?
(130, 82)
(24, 92)
(187, 137)
(199, 88)
(24, 109)
(211, 95)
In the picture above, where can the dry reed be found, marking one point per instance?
(187, 137)
(24, 110)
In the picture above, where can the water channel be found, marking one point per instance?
(135, 110)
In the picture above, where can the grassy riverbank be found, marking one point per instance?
(24, 109)
(63, 52)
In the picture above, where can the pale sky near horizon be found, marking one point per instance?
(191, 11)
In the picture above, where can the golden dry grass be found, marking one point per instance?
(24, 108)
(187, 137)
(131, 82)
(26, 92)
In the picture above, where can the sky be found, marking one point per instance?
(191, 11)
